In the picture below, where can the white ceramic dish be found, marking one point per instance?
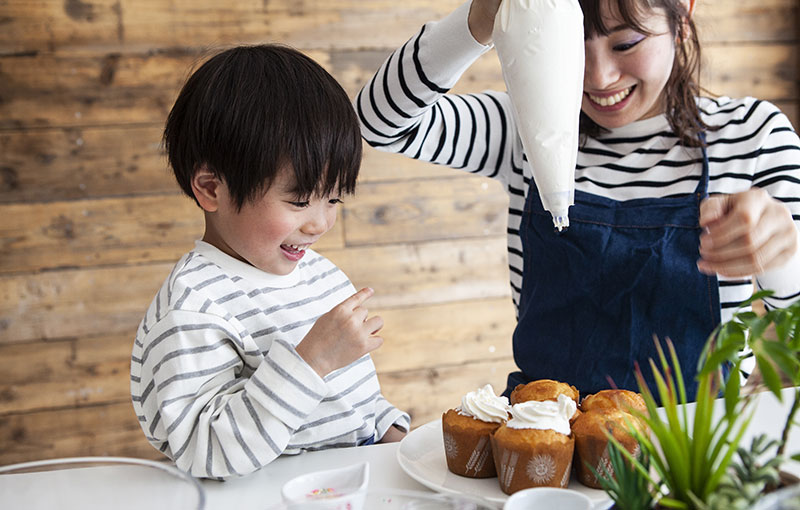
(421, 456)
(332, 489)
(98, 483)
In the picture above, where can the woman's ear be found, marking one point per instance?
(207, 189)
(690, 4)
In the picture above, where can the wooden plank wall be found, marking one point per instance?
(91, 222)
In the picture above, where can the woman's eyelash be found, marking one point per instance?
(628, 45)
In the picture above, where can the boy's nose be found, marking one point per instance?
(319, 221)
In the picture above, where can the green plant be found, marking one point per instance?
(625, 484)
(746, 480)
(774, 339)
(689, 456)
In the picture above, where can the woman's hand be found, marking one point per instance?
(481, 19)
(746, 234)
(342, 335)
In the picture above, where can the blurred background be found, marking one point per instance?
(91, 221)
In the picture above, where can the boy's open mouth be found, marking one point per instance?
(294, 251)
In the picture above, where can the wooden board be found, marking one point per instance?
(112, 429)
(89, 233)
(112, 300)
(92, 370)
(47, 25)
(88, 89)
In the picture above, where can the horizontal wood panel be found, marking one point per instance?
(95, 370)
(112, 300)
(47, 25)
(104, 430)
(752, 70)
(93, 162)
(448, 333)
(90, 233)
(76, 372)
(57, 90)
(426, 394)
(425, 210)
(127, 230)
(113, 430)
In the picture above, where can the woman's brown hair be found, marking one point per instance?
(683, 85)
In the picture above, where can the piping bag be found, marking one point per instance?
(541, 51)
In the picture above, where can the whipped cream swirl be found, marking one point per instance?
(484, 405)
(543, 415)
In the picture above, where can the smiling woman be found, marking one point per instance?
(91, 223)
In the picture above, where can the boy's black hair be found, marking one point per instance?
(251, 110)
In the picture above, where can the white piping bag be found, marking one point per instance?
(541, 51)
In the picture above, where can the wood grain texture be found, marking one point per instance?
(92, 221)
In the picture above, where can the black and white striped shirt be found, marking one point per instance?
(216, 382)
(405, 108)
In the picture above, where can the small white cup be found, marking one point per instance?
(334, 489)
(548, 498)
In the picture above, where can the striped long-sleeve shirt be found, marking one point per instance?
(215, 379)
(405, 108)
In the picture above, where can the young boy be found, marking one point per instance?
(255, 345)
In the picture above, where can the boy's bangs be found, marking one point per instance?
(633, 13)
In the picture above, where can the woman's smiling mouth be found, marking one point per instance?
(609, 101)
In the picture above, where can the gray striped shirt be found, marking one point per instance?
(216, 382)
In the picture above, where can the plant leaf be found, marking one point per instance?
(770, 376)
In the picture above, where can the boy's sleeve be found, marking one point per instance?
(405, 107)
(211, 422)
(387, 415)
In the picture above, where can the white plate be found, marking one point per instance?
(421, 456)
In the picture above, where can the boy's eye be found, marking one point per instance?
(300, 204)
(335, 201)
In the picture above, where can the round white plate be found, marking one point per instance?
(421, 456)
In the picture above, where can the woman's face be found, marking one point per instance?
(626, 71)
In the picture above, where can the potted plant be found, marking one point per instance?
(694, 459)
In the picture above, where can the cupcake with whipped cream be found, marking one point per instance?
(466, 431)
(534, 448)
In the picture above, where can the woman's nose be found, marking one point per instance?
(600, 71)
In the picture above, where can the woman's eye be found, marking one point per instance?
(628, 45)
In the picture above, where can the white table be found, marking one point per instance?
(260, 490)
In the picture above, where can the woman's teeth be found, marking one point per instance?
(611, 100)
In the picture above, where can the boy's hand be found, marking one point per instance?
(342, 335)
(481, 19)
(746, 234)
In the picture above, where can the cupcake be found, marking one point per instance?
(545, 389)
(607, 411)
(534, 448)
(466, 431)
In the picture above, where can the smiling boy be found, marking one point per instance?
(255, 345)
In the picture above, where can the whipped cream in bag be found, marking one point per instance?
(540, 46)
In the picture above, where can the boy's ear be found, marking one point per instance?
(207, 189)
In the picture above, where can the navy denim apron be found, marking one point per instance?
(594, 295)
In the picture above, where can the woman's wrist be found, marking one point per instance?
(481, 21)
